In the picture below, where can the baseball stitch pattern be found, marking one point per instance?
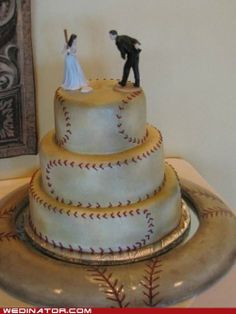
(109, 285)
(150, 282)
(7, 212)
(121, 131)
(176, 174)
(204, 194)
(211, 212)
(99, 167)
(65, 138)
(119, 116)
(215, 212)
(93, 216)
(8, 236)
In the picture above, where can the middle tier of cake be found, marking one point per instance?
(96, 181)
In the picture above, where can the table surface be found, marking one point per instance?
(222, 294)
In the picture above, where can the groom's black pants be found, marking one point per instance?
(131, 62)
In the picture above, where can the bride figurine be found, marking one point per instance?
(74, 78)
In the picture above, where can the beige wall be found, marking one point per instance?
(188, 68)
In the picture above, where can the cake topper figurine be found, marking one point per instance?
(74, 78)
(129, 49)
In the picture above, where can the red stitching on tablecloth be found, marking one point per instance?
(208, 195)
(6, 213)
(150, 282)
(118, 215)
(215, 212)
(110, 286)
(8, 236)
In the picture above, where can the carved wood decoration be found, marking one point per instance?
(18, 134)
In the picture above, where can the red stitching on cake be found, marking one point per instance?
(128, 249)
(89, 205)
(54, 243)
(66, 137)
(119, 116)
(96, 167)
(80, 249)
(58, 96)
(176, 174)
(100, 250)
(61, 163)
(131, 213)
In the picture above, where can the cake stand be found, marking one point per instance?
(158, 281)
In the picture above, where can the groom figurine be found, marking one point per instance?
(129, 49)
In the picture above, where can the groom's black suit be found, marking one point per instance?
(126, 46)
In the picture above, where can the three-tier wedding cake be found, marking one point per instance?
(104, 192)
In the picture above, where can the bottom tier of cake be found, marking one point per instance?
(74, 233)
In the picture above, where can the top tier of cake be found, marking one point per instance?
(102, 122)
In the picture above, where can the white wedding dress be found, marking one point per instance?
(73, 74)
